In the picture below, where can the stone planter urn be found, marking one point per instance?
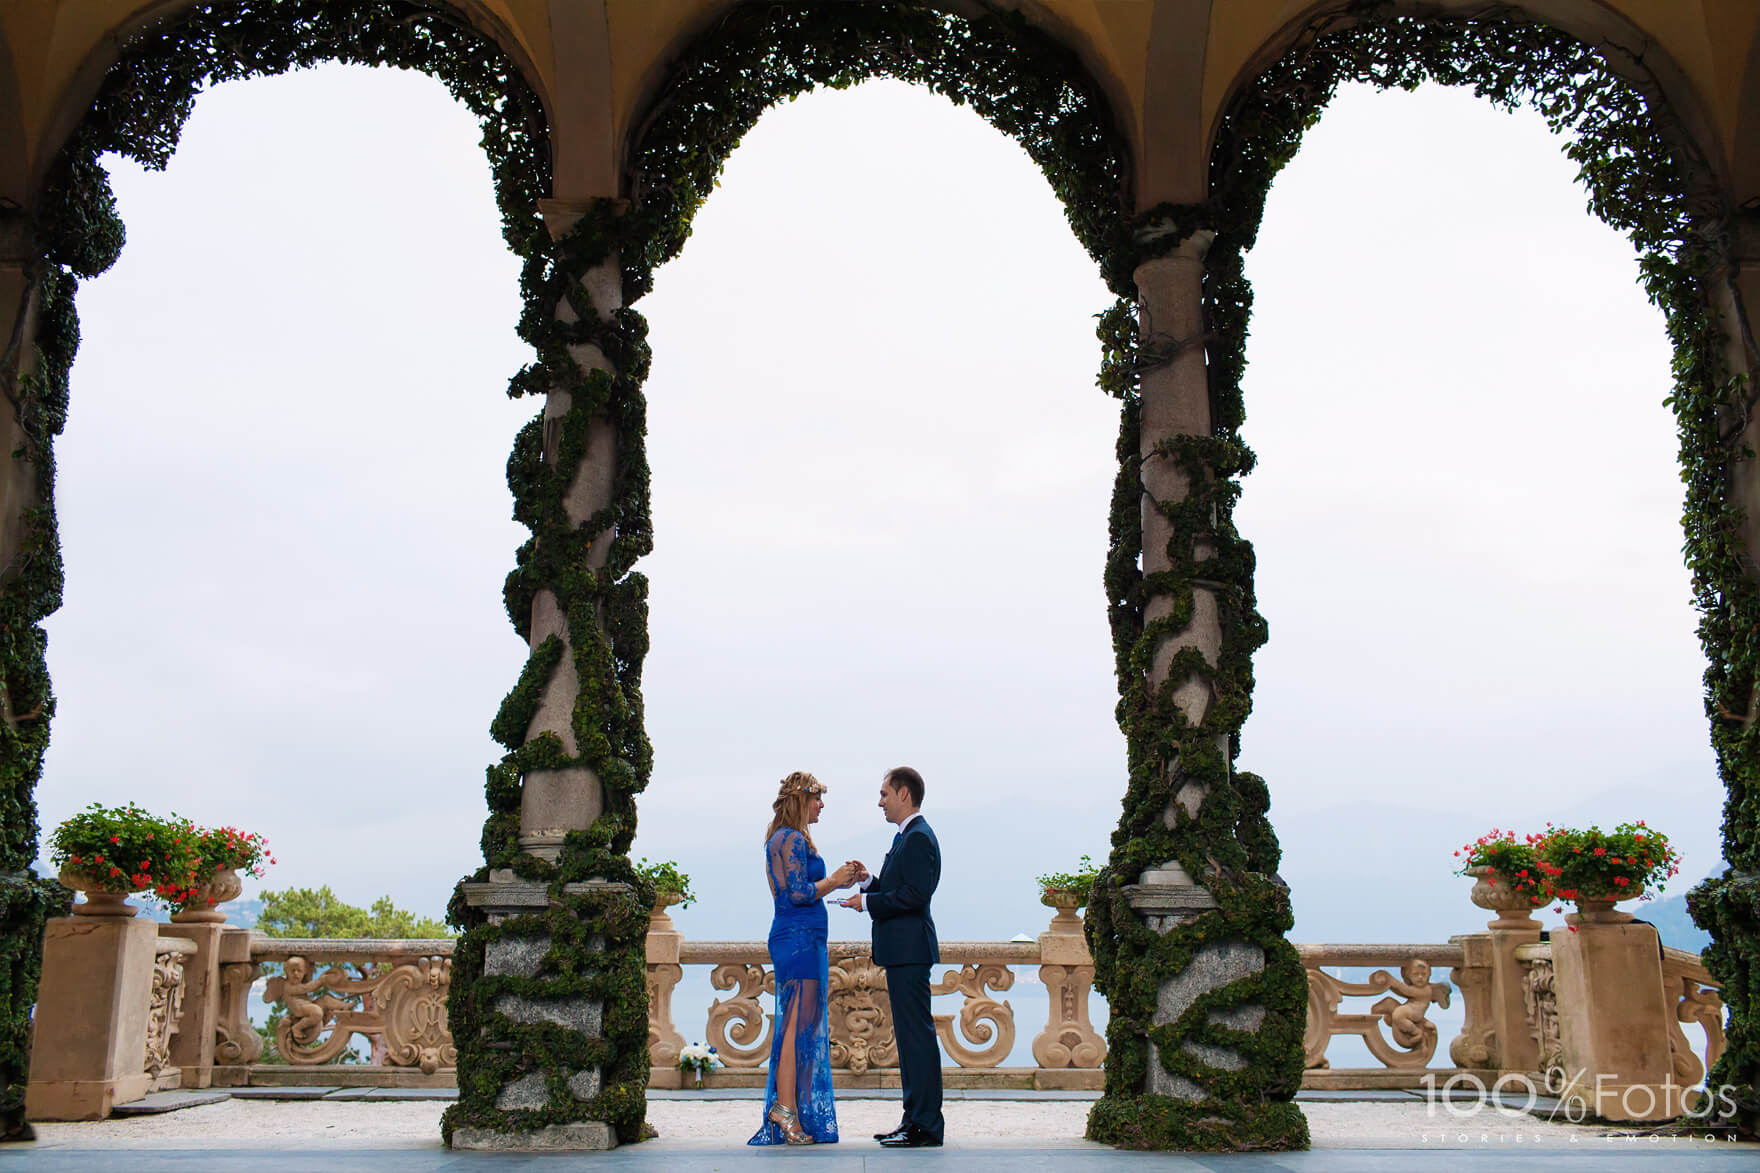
(658, 920)
(1598, 912)
(218, 888)
(1066, 901)
(97, 902)
(1493, 893)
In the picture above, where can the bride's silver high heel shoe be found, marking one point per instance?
(786, 1119)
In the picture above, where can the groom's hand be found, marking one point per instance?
(854, 902)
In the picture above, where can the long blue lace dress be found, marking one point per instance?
(802, 968)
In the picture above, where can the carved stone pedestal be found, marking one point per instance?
(1165, 897)
(502, 897)
(1069, 1039)
(89, 1050)
(192, 1049)
(1614, 1022)
(664, 945)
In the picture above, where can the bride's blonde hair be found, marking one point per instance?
(790, 808)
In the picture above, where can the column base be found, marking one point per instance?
(1163, 1124)
(585, 1136)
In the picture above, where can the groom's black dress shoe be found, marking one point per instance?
(899, 1131)
(910, 1137)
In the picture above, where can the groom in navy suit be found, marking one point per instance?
(905, 947)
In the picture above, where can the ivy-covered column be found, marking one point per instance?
(1208, 1000)
(1724, 485)
(548, 1001)
(567, 798)
(38, 334)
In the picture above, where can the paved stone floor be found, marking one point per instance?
(386, 1131)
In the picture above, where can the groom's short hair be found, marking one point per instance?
(905, 778)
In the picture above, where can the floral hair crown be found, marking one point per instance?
(801, 784)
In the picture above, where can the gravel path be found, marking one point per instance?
(729, 1122)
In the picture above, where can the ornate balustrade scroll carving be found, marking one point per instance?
(861, 1016)
(1066, 970)
(1696, 997)
(661, 951)
(1069, 1038)
(980, 1018)
(1540, 1002)
(980, 1035)
(1476, 1047)
(739, 1030)
(1402, 1011)
(396, 994)
(236, 1041)
(664, 1041)
(166, 1007)
(398, 999)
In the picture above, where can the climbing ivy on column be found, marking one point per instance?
(1644, 178)
(595, 940)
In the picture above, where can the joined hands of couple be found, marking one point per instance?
(852, 872)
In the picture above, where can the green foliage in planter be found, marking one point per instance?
(1516, 864)
(228, 847)
(666, 877)
(1621, 864)
(125, 849)
(1498, 850)
(1078, 881)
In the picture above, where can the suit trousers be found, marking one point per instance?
(919, 1055)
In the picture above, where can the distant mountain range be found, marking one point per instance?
(241, 914)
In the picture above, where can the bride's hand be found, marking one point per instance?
(843, 877)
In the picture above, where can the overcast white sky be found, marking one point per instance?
(881, 473)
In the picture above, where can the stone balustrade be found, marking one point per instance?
(1396, 1027)
(1532, 1010)
(392, 993)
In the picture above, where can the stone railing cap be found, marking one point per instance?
(365, 948)
(1376, 954)
(530, 893)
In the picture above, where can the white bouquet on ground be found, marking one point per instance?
(698, 1058)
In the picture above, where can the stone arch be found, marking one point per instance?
(1655, 171)
(705, 30)
(75, 103)
(1195, 630)
(1076, 140)
(1745, 166)
(131, 94)
(14, 152)
(1627, 49)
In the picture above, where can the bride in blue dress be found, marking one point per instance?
(798, 1103)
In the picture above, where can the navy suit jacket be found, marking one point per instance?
(898, 900)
